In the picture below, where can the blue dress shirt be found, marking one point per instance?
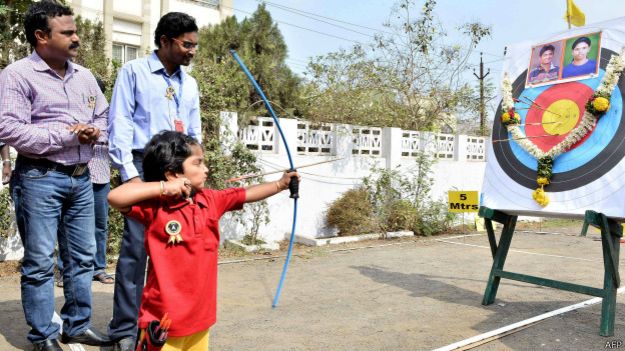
(140, 109)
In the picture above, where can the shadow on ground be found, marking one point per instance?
(574, 330)
(14, 329)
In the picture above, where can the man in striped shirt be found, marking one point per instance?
(52, 112)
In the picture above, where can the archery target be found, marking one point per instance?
(585, 161)
(588, 176)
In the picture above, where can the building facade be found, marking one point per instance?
(129, 24)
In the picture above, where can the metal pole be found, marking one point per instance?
(482, 107)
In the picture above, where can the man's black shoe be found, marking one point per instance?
(88, 337)
(48, 345)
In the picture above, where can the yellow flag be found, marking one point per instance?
(574, 15)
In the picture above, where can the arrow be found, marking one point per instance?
(538, 123)
(527, 137)
(248, 176)
(535, 104)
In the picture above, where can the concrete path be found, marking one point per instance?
(412, 294)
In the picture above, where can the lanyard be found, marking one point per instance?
(177, 97)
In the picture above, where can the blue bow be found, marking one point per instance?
(293, 185)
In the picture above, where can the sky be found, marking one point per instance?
(511, 21)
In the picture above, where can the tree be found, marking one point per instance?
(224, 87)
(411, 77)
(91, 52)
(346, 87)
(13, 44)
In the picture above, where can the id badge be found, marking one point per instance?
(178, 125)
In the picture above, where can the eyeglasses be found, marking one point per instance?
(186, 44)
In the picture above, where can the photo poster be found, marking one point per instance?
(566, 60)
(588, 175)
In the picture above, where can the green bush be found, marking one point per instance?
(402, 215)
(116, 221)
(433, 219)
(116, 231)
(6, 214)
(392, 200)
(352, 213)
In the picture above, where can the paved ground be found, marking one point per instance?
(393, 295)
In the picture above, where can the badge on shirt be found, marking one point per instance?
(179, 125)
(91, 100)
(173, 228)
(169, 92)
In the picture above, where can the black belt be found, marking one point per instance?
(137, 153)
(70, 170)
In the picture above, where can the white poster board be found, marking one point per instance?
(590, 175)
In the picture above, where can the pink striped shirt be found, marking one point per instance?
(37, 106)
(100, 165)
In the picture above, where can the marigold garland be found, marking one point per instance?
(510, 117)
(597, 106)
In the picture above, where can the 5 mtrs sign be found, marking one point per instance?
(463, 201)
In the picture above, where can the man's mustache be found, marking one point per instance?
(74, 46)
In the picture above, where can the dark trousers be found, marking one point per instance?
(129, 276)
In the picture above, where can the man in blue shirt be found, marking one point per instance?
(151, 94)
(581, 64)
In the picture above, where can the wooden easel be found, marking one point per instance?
(611, 232)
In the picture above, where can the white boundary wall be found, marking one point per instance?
(460, 165)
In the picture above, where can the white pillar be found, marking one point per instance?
(391, 147)
(461, 148)
(146, 31)
(343, 140)
(107, 22)
(289, 128)
(428, 143)
(164, 7)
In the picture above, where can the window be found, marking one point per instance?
(124, 53)
(207, 3)
(131, 53)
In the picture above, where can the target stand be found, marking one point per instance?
(611, 232)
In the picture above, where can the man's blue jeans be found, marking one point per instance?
(101, 208)
(44, 202)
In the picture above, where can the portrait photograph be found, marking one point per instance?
(545, 62)
(581, 56)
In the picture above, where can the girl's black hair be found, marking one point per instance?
(36, 18)
(166, 151)
(173, 25)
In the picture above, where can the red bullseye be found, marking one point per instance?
(553, 100)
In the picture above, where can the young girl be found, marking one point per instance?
(181, 221)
